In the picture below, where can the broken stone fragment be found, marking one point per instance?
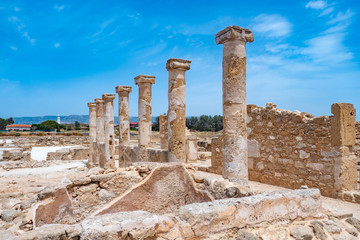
(344, 236)
(95, 171)
(300, 232)
(355, 222)
(27, 203)
(8, 215)
(318, 229)
(244, 235)
(46, 192)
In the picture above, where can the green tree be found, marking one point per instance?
(156, 124)
(5, 122)
(47, 126)
(205, 123)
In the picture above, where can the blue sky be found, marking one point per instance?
(55, 56)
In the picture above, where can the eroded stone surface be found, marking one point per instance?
(164, 190)
(57, 209)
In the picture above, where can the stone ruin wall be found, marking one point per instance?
(291, 149)
(357, 149)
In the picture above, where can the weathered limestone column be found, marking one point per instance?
(92, 132)
(163, 127)
(191, 149)
(100, 133)
(176, 112)
(234, 39)
(144, 82)
(124, 121)
(109, 128)
(343, 138)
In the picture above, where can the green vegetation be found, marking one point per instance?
(156, 125)
(47, 126)
(205, 123)
(77, 125)
(5, 122)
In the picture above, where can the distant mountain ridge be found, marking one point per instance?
(63, 119)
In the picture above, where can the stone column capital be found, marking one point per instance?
(99, 101)
(91, 104)
(123, 90)
(177, 63)
(144, 79)
(108, 97)
(234, 33)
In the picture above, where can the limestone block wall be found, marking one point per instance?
(131, 154)
(291, 149)
(357, 150)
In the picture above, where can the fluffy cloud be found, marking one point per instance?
(272, 25)
(319, 5)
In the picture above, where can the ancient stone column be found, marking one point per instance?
(144, 82)
(109, 128)
(343, 138)
(163, 131)
(100, 133)
(92, 132)
(124, 121)
(235, 162)
(176, 111)
(191, 149)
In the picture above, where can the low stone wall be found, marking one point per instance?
(30, 141)
(194, 221)
(72, 153)
(14, 154)
(130, 154)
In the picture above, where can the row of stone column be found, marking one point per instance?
(101, 131)
(235, 168)
(101, 118)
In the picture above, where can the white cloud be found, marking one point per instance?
(328, 48)
(16, 9)
(319, 4)
(13, 48)
(31, 40)
(341, 17)
(327, 11)
(56, 45)
(59, 8)
(272, 25)
(135, 16)
(16, 21)
(21, 28)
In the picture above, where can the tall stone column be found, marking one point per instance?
(109, 129)
(163, 131)
(144, 82)
(176, 112)
(124, 121)
(235, 161)
(100, 133)
(92, 132)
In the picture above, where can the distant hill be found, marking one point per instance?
(63, 119)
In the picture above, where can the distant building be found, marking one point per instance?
(134, 124)
(18, 127)
(58, 119)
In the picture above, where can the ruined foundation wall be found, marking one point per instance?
(291, 149)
